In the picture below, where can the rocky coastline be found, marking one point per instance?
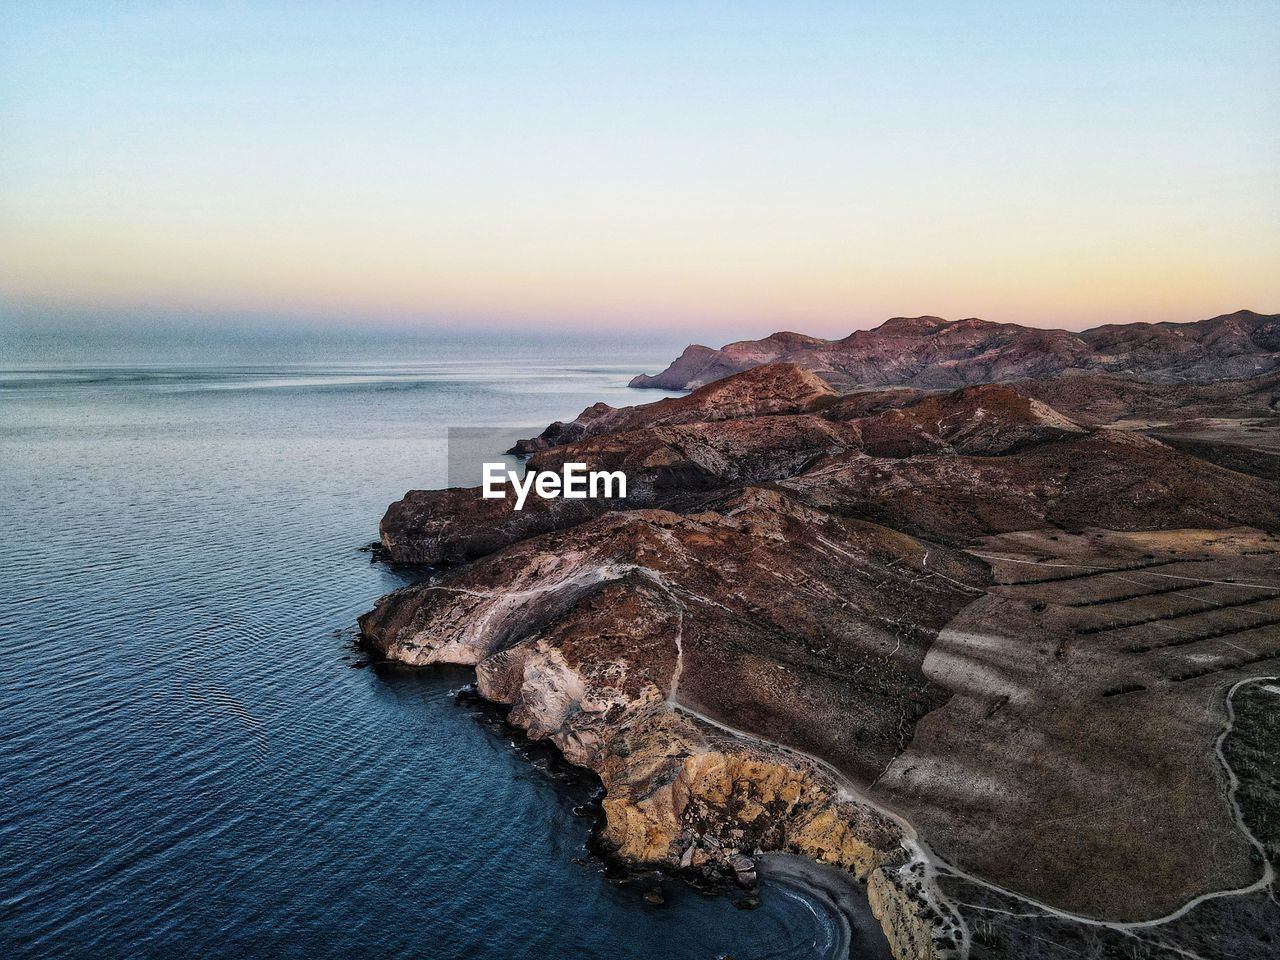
(757, 650)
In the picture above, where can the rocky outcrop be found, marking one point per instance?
(685, 465)
(933, 353)
(632, 645)
(784, 615)
(778, 388)
(701, 365)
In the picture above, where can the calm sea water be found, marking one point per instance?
(190, 764)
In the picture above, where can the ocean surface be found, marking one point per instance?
(193, 762)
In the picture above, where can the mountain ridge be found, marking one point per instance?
(931, 352)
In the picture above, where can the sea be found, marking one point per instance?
(195, 759)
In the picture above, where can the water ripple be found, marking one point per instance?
(188, 764)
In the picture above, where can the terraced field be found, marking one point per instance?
(1169, 619)
(1078, 749)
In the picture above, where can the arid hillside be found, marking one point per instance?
(932, 353)
(975, 646)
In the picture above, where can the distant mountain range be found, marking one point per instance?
(932, 353)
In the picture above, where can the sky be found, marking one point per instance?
(725, 168)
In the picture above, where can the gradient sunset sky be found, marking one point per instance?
(734, 167)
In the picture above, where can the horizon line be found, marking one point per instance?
(33, 317)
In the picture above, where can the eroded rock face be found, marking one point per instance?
(761, 391)
(787, 615)
(636, 641)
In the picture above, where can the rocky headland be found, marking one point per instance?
(974, 645)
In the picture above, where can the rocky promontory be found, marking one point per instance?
(867, 627)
